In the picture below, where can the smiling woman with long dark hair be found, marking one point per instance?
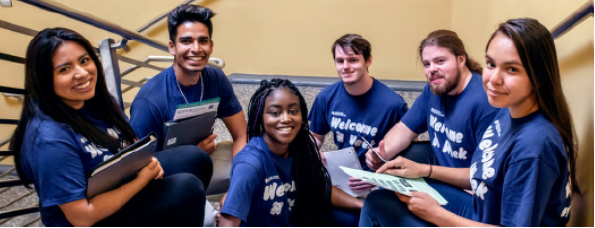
(70, 124)
(278, 178)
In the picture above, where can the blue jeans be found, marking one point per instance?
(383, 207)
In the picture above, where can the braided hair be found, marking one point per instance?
(313, 202)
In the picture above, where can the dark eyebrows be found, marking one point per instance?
(83, 56)
(184, 37)
(190, 37)
(69, 63)
(489, 58)
(514, 62)
(279, 106)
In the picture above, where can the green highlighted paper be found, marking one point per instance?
(397, 184)
(184, 111)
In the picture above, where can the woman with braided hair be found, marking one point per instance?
(278, 178)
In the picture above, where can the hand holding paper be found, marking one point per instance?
(404, 167)
(346, 157)
(421, 204)
(397, 184)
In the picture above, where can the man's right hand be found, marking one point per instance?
(208, 145)
(372, 160)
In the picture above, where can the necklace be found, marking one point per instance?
(202, 89)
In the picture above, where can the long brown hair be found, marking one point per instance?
(450, 40)
(537, 51)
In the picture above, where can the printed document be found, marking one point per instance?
(397, 184)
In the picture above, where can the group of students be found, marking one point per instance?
(502, 147)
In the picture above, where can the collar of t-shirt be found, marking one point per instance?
(279, 161)
(192, 93)
(363, 95)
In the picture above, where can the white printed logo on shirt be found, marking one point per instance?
(274, 190)
(277, 207)
(342, 127)
(487, 160)
(451, 137)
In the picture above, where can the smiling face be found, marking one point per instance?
(442, 69)
(351, 67)
(282, 119)
(505, 80)
(75, 74)
(192, 47)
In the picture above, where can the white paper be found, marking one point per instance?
(397, 184)
(347, 158)
(195, 111)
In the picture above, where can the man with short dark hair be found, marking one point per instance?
(355, 107)
(188, 80)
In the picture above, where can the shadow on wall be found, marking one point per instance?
(572, 68)
(572, 62)
(582, 206)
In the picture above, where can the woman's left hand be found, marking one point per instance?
(421, 204)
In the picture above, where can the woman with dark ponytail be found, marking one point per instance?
(70, 124)
(523, 171)
(278, 178)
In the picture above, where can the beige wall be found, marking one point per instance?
(295, 37)
(291, 37)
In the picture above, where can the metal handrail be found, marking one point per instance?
(86, 18)
(30, 32)
(158, 18)
(574, 19)
(12, 58)
(5, 140)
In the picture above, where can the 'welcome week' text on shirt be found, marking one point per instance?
(454, 123)
(519, 173)
(370, 115)
(262, 191)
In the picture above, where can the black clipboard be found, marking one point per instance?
(122, 167)
(189, 131)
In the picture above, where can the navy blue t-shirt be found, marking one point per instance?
(370, 115)
(58, 160)
(454, 123)
(519, 173)
(262, 190)
(157, 100)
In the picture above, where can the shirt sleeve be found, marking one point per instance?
(146, 118)
(243, 183)
(416, 118)
(484, 115)
(229, 104)
(317, 117)
(401, 112)
(527, 186)
(59, 173)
